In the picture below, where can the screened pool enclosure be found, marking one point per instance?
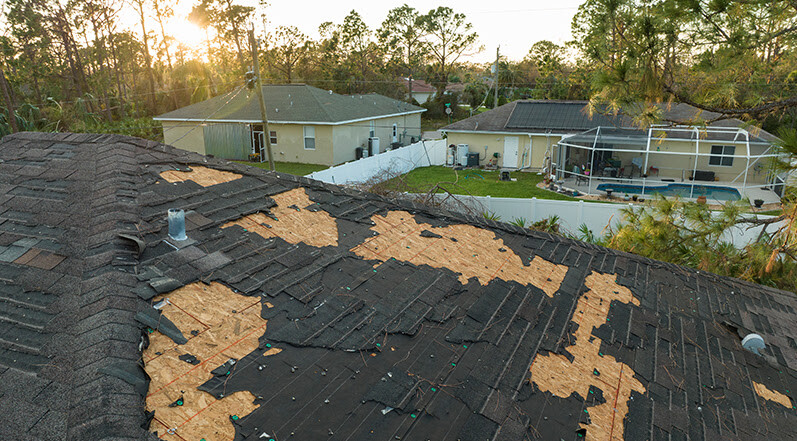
(721, 163)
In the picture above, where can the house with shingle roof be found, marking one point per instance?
(577, 145)
(295, 309)
(306, 124)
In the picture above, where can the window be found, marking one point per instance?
(395, 132)
(309, 138)
(722, 155)
(372, 132)
(272, 137)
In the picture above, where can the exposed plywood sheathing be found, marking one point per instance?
(771, 395)
(556, 374)
(219, 325)
(315, 228)
(201, 175)
(473, 252)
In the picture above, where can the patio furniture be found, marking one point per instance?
(609, 171)
(702, 175)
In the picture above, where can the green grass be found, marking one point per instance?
(430, 125)
(777, 212)
(474, 182)
(294, 168)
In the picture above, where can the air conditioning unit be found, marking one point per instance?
(373, 145)
(462, 154)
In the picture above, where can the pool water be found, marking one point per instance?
(681, 190)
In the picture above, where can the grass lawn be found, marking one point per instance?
(294, 168)
(777, 212)
(430, 125)
(474, 182)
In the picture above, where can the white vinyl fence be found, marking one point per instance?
(572, 214)
(597, 217)
(398, 161)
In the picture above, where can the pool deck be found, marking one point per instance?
(751, 192)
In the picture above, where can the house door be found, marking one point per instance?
(511, 144)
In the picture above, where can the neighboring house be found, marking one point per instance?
(301, 310)
(306, 124)
(423, 91)
(532, 134)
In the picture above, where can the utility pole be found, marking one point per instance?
(495, 76)
(259, 86)
(12, 119)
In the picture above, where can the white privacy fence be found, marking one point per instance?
(572, 214)
(398, 161)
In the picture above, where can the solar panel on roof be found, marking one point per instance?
(556, 115)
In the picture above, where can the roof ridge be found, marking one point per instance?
(312, 91)
(107, 263)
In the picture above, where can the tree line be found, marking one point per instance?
(71, 65)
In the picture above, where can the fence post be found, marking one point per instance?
(533, 216)
(580, 213)
(489, 204)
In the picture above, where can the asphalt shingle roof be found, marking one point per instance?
(378, 319)
(540, 116)
(291, 103)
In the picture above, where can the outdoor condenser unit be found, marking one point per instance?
(373, 145)
(462, 155)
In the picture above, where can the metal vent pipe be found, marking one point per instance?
(176, 218)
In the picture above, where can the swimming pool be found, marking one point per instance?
(682, 190)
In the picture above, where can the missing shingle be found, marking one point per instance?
(764, 392)
(292, 223)
(201, 175)
(588, 367)
(178, 371)
(475, 253)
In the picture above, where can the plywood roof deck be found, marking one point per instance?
(203, 176)
(220, 325)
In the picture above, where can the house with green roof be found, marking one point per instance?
(305, 124)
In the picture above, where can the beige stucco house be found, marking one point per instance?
(600, 151)
(306, 124)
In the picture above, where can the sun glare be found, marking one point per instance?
(187, 33)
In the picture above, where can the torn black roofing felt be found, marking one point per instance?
(393, 350)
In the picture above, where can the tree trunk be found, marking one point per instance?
(9, 101)
(147, 58)
(102, 60)
(116, 68)
(31, 55)
(409, 68)
(237, 38)
(173, 95)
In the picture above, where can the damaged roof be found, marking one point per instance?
(302, 310)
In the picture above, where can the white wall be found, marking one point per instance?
(572, 214)
(399, 161)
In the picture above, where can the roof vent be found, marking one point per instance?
(753, 343)
(176, 218)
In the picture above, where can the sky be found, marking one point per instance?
(513, 24)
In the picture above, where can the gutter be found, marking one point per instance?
(319, 123)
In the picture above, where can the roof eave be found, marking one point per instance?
(320, 123)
